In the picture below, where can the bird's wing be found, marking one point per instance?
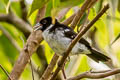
(71, 34)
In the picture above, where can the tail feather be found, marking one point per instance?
(97, 56)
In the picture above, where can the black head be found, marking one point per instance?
(43, 24)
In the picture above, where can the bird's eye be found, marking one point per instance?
(44, 21)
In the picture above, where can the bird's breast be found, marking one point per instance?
(56, 40)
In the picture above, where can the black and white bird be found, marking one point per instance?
(59, 36)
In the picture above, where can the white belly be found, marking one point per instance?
(60, 44)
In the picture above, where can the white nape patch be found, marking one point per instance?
(59, 43)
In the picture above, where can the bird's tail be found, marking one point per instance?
(97, 56)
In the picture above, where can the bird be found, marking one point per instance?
(59, 36)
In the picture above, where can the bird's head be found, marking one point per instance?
(44, 23)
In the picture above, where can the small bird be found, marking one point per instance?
(59, 36)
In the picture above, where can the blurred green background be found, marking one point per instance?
(101, 35)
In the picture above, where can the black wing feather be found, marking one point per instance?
(95, 55)
(69, 32)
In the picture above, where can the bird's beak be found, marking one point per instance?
(38, 26)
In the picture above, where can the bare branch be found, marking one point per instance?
(53, 62)
(80, 13)
(31, 45)
(17, 22)
(62, 13)
(5, 72)
(69, 20)
(24, 10)
(86, 19)
(77, 38)
(3, 17)
(92, 3)
(96, 75)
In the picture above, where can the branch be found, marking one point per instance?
(92, 3)
(62, 13)
(80, 13)
(69, 20)
(77, 38)
(24, 10)
(5, 72)
(96, 75)
(30, 47)
(53, 62)
(17, 22)
(3, 17)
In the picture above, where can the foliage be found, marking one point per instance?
(108, 31)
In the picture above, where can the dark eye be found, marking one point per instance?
(44, 21)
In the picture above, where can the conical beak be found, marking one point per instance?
(38, 26)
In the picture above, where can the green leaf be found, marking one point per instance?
(37, 4)
(60, 4)
(98, 5)
(49, 8)
(83, 67)
(6, 1)
(70, 3)
(82, 19)
(16, 7)
(2, 7)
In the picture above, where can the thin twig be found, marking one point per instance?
(92, 3)
(69, 20)
(98, 75)
(83, 25)
(79, 14)
(30, 47)
(53, 62)
(77, 38)
(24, 10)
(5, 72)
(17, 22)
(62, 13)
